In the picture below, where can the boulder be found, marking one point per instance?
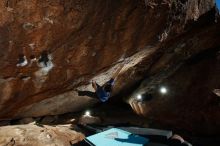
(40, 136)
(87, 40)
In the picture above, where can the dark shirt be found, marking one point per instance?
(102, 94)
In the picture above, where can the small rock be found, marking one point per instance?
(5, 123)
(26, 120)
(48, 119)
(89, 120)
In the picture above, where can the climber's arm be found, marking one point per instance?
(94, 85)
(117, 71)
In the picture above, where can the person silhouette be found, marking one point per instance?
(102, 93)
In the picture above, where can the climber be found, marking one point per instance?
(103, 92)
(44, 58)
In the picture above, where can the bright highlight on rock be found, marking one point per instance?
(87, 113)
(163, 90)
(139, 97)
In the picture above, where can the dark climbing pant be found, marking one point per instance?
(88, 93)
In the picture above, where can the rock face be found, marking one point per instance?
(189, 103)
(30, 134)
(86, 40)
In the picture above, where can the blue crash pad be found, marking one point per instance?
(116, 137)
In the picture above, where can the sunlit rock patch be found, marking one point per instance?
(34, 134)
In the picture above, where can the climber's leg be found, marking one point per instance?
(95, 85)
(87, 93)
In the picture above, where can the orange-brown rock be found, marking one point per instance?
(86, 40)
(31, 134)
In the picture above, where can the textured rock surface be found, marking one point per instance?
(30, 134)
(86, 40)
(190, 102)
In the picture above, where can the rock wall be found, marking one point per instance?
(189, 69)
(190, 102)
(86, 40)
